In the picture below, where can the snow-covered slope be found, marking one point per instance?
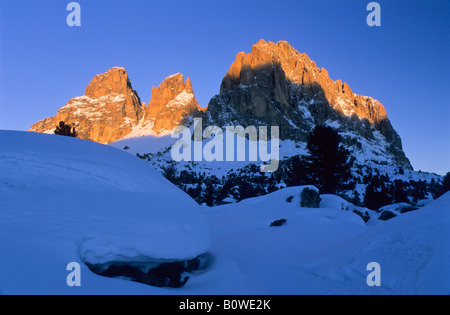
(158, 149)
(67, 200)
(327, 250)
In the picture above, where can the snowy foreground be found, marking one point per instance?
(68, 200)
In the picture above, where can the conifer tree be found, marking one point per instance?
(65, 130)
(328, 163)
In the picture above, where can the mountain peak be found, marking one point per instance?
(275, 85)
(171, 102)
(108, 110)
(297, 68)
(113, 81)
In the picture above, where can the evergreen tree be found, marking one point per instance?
(209, 194)
(295, 171)
(170, 172)
(328, 163)
(399, 192)
(445, 183)
(376, 196)
(356, 198)
(65, 130)
(272, 185)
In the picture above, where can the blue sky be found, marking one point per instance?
(404, 63)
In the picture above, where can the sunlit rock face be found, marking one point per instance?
(275, 85)
(108, 110)
(172, 102)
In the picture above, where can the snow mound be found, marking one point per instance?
(423, 202)
(141, 230)
(335, 202)
(397, 207)
(93, 203)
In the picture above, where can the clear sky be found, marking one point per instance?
(404, 63)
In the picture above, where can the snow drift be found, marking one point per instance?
(91, 203)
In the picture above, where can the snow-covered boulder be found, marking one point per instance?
(310, 197)
(335, 202)
(423, 202)
(386, 215)
(306, 196)
(401, 207)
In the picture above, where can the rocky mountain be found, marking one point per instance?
(171, 103)
(110, 109)
(275, 85)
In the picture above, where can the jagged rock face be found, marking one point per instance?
(171, 103)
(275, 67)
(275, 85)
(108, 110)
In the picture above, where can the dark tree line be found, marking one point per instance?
(327, 165)
(210, 190)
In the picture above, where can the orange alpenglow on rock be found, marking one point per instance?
(110, 109)
(171, 102)
(300, 69)
(273, 85)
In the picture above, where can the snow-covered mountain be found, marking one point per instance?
(66, 200)
(170, 103)
(273, 85)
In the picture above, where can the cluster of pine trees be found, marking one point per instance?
(238, 185)
(382, 191)
(65, 130)
(327, 166)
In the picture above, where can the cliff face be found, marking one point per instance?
(275, 67)
(171, 103)
(275, 85)
(108, 110)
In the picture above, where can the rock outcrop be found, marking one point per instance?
(108, 110)
(268, 74)
(171, 103)
(275, 85)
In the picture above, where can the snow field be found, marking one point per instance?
(65, 199)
